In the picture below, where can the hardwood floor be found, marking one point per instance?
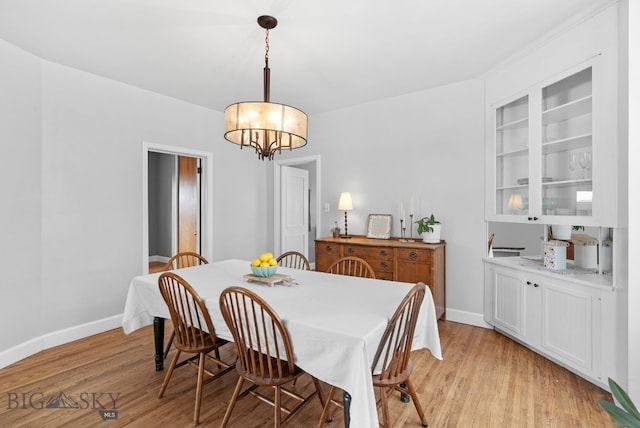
(485, 380)
(156, 267)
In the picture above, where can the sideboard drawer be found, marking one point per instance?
(329, 249)
(413, 255)
(368, 253)
(326, 254)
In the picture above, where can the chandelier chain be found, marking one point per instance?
(266, 45)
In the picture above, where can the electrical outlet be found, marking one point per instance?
(327, 208)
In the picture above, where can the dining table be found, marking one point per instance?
(335, 322)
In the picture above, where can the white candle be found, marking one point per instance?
(401, 211)
(411, 212)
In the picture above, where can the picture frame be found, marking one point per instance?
(379, 226)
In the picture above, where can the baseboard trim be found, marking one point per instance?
(55, 338)
(465, 317)
(161, 259)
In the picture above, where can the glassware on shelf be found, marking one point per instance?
(573, 163)
(585, 163)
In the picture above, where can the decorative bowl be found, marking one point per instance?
(264, 271)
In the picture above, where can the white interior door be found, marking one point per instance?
(294, 210)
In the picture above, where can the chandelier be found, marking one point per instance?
(267, 127)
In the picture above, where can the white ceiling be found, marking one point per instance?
(323, 55)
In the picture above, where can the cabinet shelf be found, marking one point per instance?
(518, 152)
(515, 186)
(516, 124)
(567, 183)
(565, 144)
(567, 111)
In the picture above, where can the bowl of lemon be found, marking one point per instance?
(264, 266)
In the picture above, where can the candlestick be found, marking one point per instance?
(402, 229)
(411, 221)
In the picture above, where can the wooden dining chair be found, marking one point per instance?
(184, 260)
(294, 260)
(179, 261)
(265, 354)
(194, 333)
(352, 266)
(392, 364)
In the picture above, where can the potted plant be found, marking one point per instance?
(429, 227)
(335, 230)
(626, 414)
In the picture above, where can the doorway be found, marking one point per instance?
(283, 189)
(180, 181)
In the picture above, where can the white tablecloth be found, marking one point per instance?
(335, 321)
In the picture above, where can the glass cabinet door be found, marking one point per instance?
(566, 146)
(512, 158)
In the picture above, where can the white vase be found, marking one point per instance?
(432, 237)
(561, 231)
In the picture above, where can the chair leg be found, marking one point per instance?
(166, 350)
(327, 405)
(416, 403)
(316, 382)
(277, 411)
(174, 361)
(232, 403)
(385, 407)
(196, 411)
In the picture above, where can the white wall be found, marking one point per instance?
(72, 186)
(426, 145)
(20, 193)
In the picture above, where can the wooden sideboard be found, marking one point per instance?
(393, 260)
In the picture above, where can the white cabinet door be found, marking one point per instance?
(509, 306)
(571, 325)
(515, 304)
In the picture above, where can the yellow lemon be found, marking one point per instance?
(272, 262)
(256, 262)
(264, 264)
(264, 257)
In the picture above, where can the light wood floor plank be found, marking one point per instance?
(485, 380)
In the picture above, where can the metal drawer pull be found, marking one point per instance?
(383, 253)
(383, 264)
(413, 255)
(350, 250)
(328, 248)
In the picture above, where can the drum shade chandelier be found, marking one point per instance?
(267, 127)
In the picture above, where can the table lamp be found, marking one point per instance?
(345, 205)
(515, 204)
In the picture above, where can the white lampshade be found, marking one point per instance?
(515, 202)
(345, 203)
(267, 127)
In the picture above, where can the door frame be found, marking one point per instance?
(206, 162)
(277, 186)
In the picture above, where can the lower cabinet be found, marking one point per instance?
(559, 319)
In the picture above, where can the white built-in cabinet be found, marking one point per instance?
(563, 319)
(552, 158)
(552, 154)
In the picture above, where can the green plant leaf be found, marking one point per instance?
(620, 417)
(624, 399)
